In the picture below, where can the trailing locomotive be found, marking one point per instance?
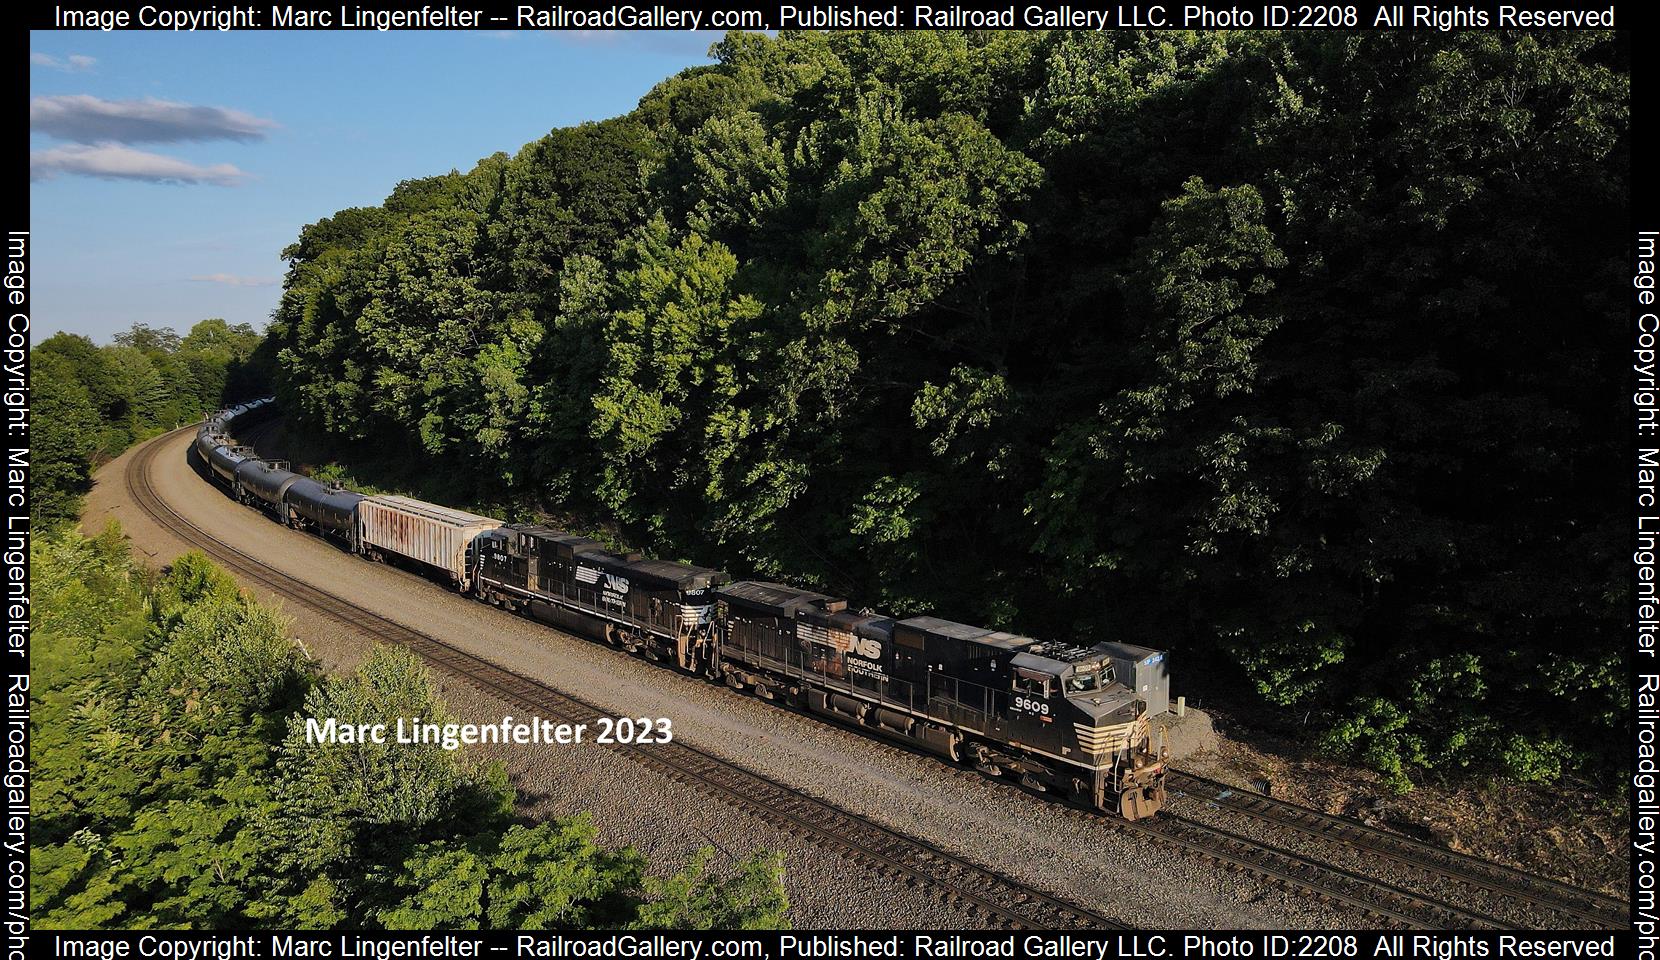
(661, 610)
(1058, 717)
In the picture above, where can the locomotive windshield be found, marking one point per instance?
(1083, 682)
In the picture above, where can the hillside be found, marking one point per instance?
(1284, 352)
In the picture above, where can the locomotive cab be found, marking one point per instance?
(1108, 720)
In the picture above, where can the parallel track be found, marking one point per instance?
(1544, 893)
(994, 896)
(1385, 902)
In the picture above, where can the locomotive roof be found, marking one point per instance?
(778, 599)
(574, 543)
(1058, 657)
(1067, 652)
(682, 575)
(875, 626)
(1131, 652)
(861, 622)
(968, 633)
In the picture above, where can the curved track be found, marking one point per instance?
(993, 896)
(1550, 896)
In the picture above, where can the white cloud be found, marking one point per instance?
(74, 63)
(232, 280)
(111, 161)
(88, 119)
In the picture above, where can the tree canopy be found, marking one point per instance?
(1283, 351)
(91, 402)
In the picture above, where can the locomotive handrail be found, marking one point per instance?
(794, 664)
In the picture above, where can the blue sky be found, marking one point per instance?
(273, 131)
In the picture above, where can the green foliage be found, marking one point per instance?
(152, 699)
(64, 436)
(1278, 350)
(555, 876)
(91, 402)
(750, 898)
(663, 415)
(178, 789)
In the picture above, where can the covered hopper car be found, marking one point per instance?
(437, 537)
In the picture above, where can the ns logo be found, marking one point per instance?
(864, 647)
(615, 583)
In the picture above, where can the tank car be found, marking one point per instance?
(264, 483)
(223, 461)
(330, 510)
(206, 440)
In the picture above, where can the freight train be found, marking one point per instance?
(1064, 718)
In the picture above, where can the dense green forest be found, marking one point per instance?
(92, 402)
(176, 789)
(1292, 353)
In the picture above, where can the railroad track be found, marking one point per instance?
(987, 894)
(1552, 896)
(1389, 904)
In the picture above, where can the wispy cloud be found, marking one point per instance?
(232, 280)
(88, 119)
(74, 63)
(112, 161)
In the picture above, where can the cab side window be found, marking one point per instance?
(1036, 684)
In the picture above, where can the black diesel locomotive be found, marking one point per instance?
(1057, 717)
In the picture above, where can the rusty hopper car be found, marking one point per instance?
(437, 537)
(657, 608)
